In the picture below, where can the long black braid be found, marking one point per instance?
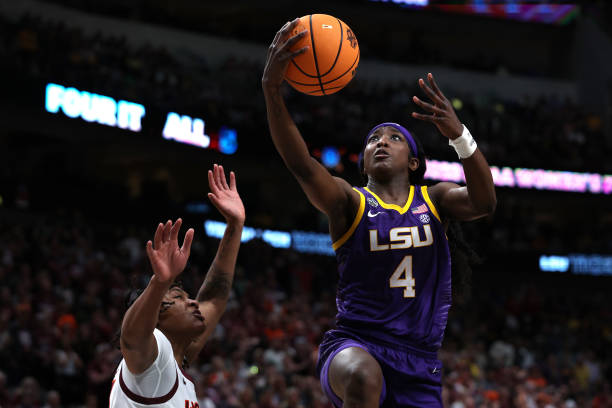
(463, 257)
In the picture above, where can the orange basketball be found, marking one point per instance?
(330, 62)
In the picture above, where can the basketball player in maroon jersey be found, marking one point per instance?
(164, 330)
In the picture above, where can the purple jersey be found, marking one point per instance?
(395, 272)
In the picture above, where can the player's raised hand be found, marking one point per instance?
(280, 54)
(225, 197)
(167, 259)
(442, 112)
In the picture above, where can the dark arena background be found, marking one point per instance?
(111, 112)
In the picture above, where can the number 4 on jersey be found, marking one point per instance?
(402, 277)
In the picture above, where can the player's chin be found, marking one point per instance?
(381, 165)
(200, 325)
(197, 328)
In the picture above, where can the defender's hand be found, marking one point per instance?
(167, 259)
(224, 197)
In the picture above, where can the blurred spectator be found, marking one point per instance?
(512, 345)
(53, 400)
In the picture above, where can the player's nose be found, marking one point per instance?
(382, 141)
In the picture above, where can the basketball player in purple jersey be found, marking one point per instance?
(394, 289)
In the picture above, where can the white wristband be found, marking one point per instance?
(464, 145)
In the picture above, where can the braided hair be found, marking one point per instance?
(463, 257)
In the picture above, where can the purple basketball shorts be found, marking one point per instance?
(411, 378)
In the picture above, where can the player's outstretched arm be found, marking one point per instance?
(331, 195)
(214, 292)
(462, 203)
(138, 345)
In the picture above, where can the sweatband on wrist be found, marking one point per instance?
(464, 145)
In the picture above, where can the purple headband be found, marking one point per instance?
(402, 130)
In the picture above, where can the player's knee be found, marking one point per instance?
(363, 382)
(356, 377)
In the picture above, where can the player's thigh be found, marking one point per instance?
(354, 370)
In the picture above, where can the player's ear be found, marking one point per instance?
(413, 163)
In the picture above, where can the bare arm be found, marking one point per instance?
(331, 195)
(138, 345)
(214, 292)
(478, 198)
